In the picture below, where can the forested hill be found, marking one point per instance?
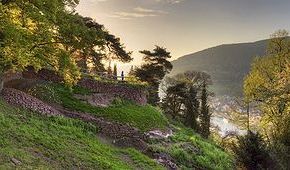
(227, 64)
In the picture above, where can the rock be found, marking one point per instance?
(157, 134)
(166, 160)
(15, 161)
(190, 148)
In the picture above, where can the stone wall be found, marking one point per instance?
(21, 99)
(43, 74)
(137, 95)
(121, 90)
(11, 76)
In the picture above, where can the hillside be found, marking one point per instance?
(79, 135)
(227, 64)
(31, 141)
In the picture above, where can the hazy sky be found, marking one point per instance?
(186, 26)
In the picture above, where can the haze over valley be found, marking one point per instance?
(227, 64)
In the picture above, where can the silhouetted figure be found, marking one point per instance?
(122, 75)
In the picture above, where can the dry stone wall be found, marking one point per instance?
(137, 95)
(21, 99)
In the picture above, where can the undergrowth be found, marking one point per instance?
(191, 151)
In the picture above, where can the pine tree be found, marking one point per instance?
(154, 69)
(173, 101)
(109, 70)
(115, 72)
(251, 152)
(191, 104)
(204, 113)
(131, 72)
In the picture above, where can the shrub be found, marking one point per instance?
(251, 152)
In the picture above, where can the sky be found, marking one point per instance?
(187, 26)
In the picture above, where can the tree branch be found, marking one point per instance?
(46, 43)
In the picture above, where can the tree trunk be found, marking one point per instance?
(1, 82)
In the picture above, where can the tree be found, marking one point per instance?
(109, 70)
(198, 83)
(131, 72)
(191, 105)
(251, 152)
(172, 103)
(268, 84)
(115, 72)
(154, 69)
(204, 113)
(41, 34)
(108, 47)
(185, 93)
(50, 34)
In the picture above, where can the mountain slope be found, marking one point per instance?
(227, 64)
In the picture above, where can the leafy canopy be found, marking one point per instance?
(268, 84)
(50, 34)
(268, 81)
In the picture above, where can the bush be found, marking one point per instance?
(251, 152)
(280, 146)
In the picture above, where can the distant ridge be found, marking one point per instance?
(227, 64)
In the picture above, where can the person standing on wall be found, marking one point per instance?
(122, 75)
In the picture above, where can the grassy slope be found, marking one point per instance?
(143, 117)
(207, 156)
(147, 117)
(59, 143)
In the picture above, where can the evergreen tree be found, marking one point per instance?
(115, 72)
(109, 69)
(131, 72)
(184, 95)
(191, 104)
(108, 44)
(251, 152)
(154, 69)
(204, 113)
(172, 103)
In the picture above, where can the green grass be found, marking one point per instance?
(209, 155)
(143, 117)
(59, 143)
